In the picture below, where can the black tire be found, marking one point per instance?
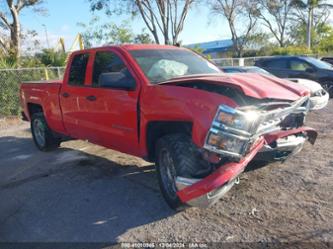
(176, 155)
(42, 134)
(328, 86)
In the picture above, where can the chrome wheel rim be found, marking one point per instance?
(168, 173)
(39, 132)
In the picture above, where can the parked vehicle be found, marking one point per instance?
(249, 69)
(318, 96)
(170, 106)
(301, 68)
(328, 60)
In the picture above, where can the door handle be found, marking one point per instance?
(91, 98)
(65, 95)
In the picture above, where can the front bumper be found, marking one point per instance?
(266, 122)
(205, 192)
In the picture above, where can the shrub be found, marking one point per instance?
(326, 45)
(50, 57)
(291, 50)
(9, 104)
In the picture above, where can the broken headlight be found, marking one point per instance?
(232, 131)
(231, 144)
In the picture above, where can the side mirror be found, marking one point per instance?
(310, 70)
(117, 80)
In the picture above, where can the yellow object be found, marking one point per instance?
(78, 40)
(46, 74)
(61, 44)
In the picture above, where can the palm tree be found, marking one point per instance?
(310, 6)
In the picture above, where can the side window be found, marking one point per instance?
(107, 62)
(77, 72)
(277, 63)
(299, 65)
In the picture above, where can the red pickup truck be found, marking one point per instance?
(171, 106)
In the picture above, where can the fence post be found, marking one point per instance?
(58, 70)
(241, 62)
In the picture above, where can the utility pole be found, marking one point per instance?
(309, 26)
(46, 35)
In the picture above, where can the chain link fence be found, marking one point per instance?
(10, 80)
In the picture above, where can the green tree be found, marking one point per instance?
(318, 32)
(10, 12)
(143, 38)
(242, 17)
(275, 15)
(96, 33)
(309, 8)
(50, 57)
(166, 17)
(326, 44)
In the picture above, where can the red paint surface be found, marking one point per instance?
(111, 120)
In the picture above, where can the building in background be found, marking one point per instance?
(216, 49)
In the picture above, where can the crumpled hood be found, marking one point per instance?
(253, 84)
(264, 86)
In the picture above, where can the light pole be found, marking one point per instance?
(46, 35)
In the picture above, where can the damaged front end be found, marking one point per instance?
(268, 132)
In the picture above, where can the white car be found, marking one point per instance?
(319, 97)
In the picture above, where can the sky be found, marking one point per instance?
(63, 16)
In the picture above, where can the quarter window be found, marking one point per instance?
(107, 62)
(77, 72)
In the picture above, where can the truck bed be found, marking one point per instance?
(43, 82)
(46, 94)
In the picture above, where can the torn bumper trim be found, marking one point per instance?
(230, 171)
(221, 176)
(310, 132)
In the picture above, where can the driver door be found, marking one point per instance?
(112, 112)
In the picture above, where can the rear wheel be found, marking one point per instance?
(42, 134)
(177, 156)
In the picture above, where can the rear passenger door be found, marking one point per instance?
(73, 95)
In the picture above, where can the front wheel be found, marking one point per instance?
(42, 134)
(176, 155)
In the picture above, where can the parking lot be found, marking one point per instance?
(86, 193)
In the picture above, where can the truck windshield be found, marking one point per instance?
(165, 64)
